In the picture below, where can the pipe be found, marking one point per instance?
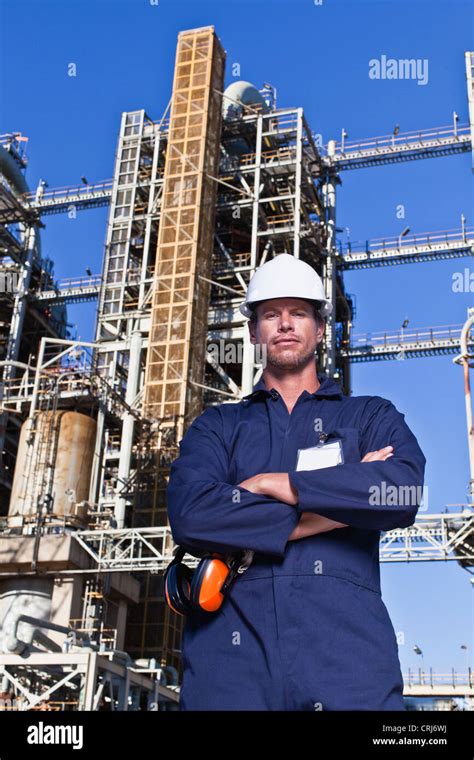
(128, 425)
(13, 644)
(465, 356)
(41, 638)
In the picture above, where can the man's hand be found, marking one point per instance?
(378, 456)
(311, 523)
(274, 484)
(277, 485)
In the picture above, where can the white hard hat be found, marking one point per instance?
(285, 276)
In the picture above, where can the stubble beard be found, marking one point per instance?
(290, 359)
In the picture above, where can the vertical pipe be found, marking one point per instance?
(470, 431)
(256, 194)
(298, 171)
(93, 490)
(128, 425)
(31, 417)
(329, 273)
(248, 359)
(465, 357)
(152, 197)
(89, 683)
(248, 363)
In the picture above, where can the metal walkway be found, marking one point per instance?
(395, 148)
(414, 342)
(427, 246)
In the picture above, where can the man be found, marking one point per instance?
(298, 473)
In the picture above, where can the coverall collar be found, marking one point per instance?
(328, 387)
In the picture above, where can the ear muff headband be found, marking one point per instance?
(203, 588)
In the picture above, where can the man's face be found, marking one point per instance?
(290, 331)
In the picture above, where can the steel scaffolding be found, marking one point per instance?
(198, 201)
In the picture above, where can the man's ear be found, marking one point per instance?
(251, 327)
(322, 328)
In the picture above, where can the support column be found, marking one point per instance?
(329, 273)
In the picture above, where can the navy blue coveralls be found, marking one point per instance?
(305, 627)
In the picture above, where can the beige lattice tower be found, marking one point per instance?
(177, 343)
(178, 334)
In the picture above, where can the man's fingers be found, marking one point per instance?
(378, 456)
(374, 456)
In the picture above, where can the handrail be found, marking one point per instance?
(402, 138)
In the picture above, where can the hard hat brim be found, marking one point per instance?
(325, 309)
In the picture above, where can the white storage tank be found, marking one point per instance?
(60, 463)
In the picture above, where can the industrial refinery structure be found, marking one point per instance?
(200, 198)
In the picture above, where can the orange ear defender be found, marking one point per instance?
(205, 587)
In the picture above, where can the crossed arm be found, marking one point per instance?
(207, 513)
(278, 486)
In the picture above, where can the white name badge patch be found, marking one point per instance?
(317, 457)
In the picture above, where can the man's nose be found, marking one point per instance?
(286, 322)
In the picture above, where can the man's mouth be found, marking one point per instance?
(287, 340)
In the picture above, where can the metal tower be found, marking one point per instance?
(199, 199)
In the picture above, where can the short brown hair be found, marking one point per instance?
(315, 304)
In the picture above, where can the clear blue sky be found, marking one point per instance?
(317, 57)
